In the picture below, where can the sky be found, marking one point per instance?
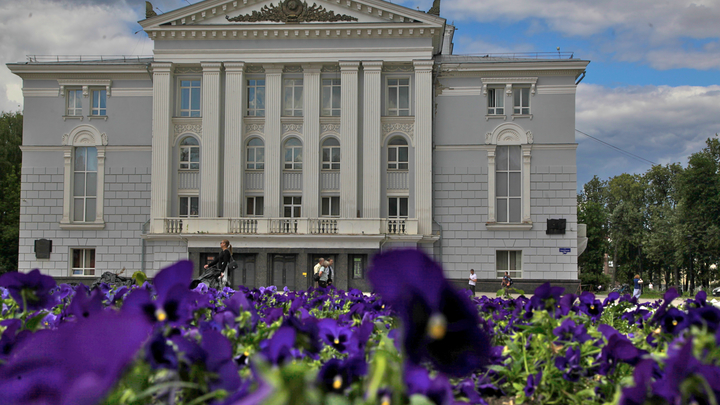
(652, 89)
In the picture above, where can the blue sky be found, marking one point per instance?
(652, 87)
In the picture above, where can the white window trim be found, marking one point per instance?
(67, 104)
(330, 206)
(289, 111)
(83, 268)
(292, 206)
(180, 196)
(398, 197)
(178, 106)
(509, 134)
(255, 214)
(92, 102)
(529, 107)
(83, 135)
(387, 96)
(397, 160)
(497, 90)
(293, 163)
(247, 98)
(507, 82)
(322, 88)
(497, 271)
(322, 155)
(254, 148)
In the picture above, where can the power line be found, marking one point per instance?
(616, 148)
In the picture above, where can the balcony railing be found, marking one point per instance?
(299, 226)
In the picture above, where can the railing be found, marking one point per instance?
(188, 179)
(243, 226)
(254, 180)
(323, 226)
(397, 180)
(517, 55)
(88, 58)
(289, 225)
(330, 180)
(173, 225)
(292, 180)
(396, 226)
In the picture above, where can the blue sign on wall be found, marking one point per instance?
(565, 250)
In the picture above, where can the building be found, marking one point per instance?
(299, 131)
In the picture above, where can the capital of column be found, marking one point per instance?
(273, 69)
(234, 67)
(423, 65)
(311, 68)
(162, 67)
(372, 65)
(211, 67)
(346, 66)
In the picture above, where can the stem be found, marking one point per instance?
(527, 369)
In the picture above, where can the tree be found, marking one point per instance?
(593, 213)
(11, 125)
(626, 207)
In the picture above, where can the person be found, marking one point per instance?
(637, 285)
(330, 270)
(472, 281)
(323, 274)
(506, 281)
(317, 268)
(650, 285)
(219, 276)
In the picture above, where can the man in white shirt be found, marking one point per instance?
(317, 268)
(473, 280)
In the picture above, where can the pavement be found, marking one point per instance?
(676, 301)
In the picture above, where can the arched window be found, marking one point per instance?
(398, 154)
(189, 154)
(85, 184)
(256, 154)
(293, 154)
(331, 154)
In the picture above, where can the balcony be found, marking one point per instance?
(284, 226)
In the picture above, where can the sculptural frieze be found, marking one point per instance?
(292, 11)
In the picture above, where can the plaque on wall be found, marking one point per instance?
(43, 247)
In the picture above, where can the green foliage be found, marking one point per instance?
(10, 165)
(139, 277)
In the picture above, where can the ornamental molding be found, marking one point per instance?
(330, 68)
(187, 70)
(406, 128)
(254, 69)
(292, 69)
(509, 82)
(398, 68)
(325, 128)
(180, 129)
(255, 128)
(85, 84)
(298, 128)
(292, 11)
(509, 134)
(84, 135)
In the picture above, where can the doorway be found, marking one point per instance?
(283, 271)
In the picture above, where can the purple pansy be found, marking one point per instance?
(570, 365)
(336, 375)
(569, 331)
(533, 381)
(36, 288)
(418, 381)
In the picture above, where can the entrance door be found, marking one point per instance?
(245, 273)
(313, 261)
(283, 271)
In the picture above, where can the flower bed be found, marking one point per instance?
(417, 341)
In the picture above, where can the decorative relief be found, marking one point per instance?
(183, 128)
(529, 137)
(397, 68)
(292, 69)
(104, 138)
(488, 138)
(255, 128)
(187, 69)
(330, 68)
(292, 11)
(329, 128)
(65, 139)
(292, 128)
(254, 69)
(408, 129)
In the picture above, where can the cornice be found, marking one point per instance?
(506, 72)
(108, 148)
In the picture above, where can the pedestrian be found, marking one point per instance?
(637, 285)
(323, 281)
(472, 281)
(505, 284)
(220, 264)
(317, 268)
(331, 270)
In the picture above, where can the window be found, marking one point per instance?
(510, 261)
(293, 97)
(398, 102)
(292, 207)
(330, 207)
(189, 207)
(189, 98)
(358, 266)
(255, 206)
(496, 101)
(74, 102)
(85, 184)
(398, 154)
(331, 154)
(98, 102)
(508, 183)
(330, 98)
(398, 207)
(83, 262)
(293, 154)
(521, 101)
(256, 97)
(189, 154)
(256, 154)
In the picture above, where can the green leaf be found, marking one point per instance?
(417, 399)
(139, 277)
(33, 323)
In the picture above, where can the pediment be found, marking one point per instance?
(290, 12)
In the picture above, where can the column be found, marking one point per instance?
(311, 144)
(372, 139)
(273, 147)
(526, 184)
(423, 145)
(491, 184)
(348, 138)
(161, 145)
(234, 151)
(210, 146)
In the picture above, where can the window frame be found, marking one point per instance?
(330, 111)
(255, 201)
(513, 273)
(333, 202)
(85, 270)
(352, 260)
(190, 148)
(496, 94)
(296, 152)
(180, 87)
(397, 110)
(397, 164)
(255, 111)
(521, 90)
(254, 148)
(296, 86)
(508, 197)
(294, 204)
(93, 98)
(188, 206)
(77, 111)
(84, 197)
(398, 207)
(330, 164)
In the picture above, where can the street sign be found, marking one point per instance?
(565, 250)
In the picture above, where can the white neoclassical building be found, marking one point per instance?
(335, 129)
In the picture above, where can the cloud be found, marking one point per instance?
(662, 124)
(650, 31)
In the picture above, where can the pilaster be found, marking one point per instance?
(233, 150)
(491, 184)
(372, 139)
(348, 138)
(273, 146)
(423, 145)
(161, 145)
(311, 144)
(210, 147)
(526, 149)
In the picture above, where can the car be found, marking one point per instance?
(716, 292)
